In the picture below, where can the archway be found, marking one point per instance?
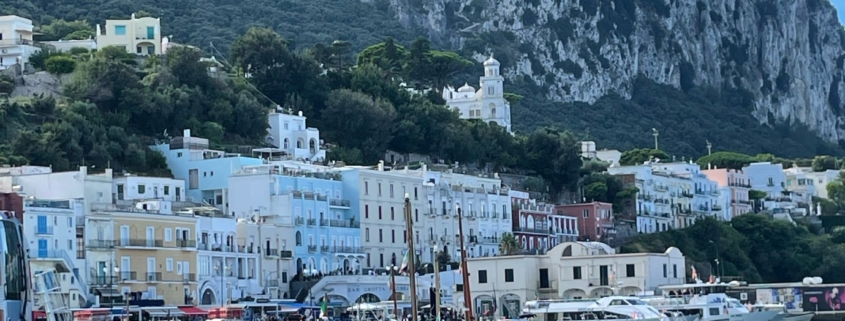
(574, 294)
(367, 298)
(312, 145)
(208, 297)
(601, 292)
(298, 238)
(287, 143)
(484, 305)
(511, 306)
(324, 265)
(300, 143)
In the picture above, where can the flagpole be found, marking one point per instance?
(464, 269)
(412, 269)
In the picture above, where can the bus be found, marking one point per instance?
(15, 298)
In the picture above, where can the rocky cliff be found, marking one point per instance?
(788, 54)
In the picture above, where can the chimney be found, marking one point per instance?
(300, 113)
(406, 169)
(381, 166)
(424, 168)
(495, 175)
(186, 133)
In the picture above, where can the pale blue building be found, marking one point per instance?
(327, 227)
(206, 172)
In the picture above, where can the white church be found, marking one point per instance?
(487, 103)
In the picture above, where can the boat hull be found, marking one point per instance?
(757, 316)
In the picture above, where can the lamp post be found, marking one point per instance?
(718, 259)
(392, 269)
(709, 148)
(412, 269)
(464, 269)
(655, 133)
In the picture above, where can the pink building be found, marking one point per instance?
(737, 183)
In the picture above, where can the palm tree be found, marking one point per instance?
(509, 245)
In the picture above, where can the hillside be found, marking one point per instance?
(727, 66)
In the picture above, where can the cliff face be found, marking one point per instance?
(788, 54)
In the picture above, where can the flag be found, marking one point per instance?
(404, 262)
(694, 275)
(324, 309)
(712, 279)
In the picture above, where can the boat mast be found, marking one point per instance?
(464, 270)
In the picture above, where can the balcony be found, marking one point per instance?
(325, 249)
(43, 230)
(312, 249)
(16, 42)
(152, 277)
(339, 203)
(347, 249)
(599, 282)
(324, 222)
(99, 244)
(189, 277)
(312, 222)
(531, 230)
(246, 249)
(286, 254)
(351, 223)
(102, 280)
(127, 276)
(548, 286)
(141, 243)
(489, 240)
(299, 221)
(271, 252)
(187, 244)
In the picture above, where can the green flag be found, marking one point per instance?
(324, 309)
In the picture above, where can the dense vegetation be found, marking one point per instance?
(754, 247)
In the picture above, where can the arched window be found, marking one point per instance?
(299, 144)
(298, 238)
(287, 144)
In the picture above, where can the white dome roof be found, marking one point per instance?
(466, 89)
(491, 62)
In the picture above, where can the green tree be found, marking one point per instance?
(66, 30)
(508, 244)
(640, 155)
(443, 257)
(822, 163)
(60, 65)
(836, 191)
(555, 157)
(728, 160)
(360, 121)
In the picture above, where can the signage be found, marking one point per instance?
(823, 299)
(354, 292)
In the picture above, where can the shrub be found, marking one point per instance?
(60, 65)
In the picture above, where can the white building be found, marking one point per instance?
(575, 270)
(611, 156)
(16, 44)
(294, 138)
(131, 187)
(487, 103)
(767, 177)
(486, 210)
(705, 200)
(141, 36)
(654, 213)
(67, 45)
(50, 231)
(822, 179)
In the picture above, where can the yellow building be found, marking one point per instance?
(141, 36)
(153, 249)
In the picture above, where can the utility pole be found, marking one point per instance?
(412, 268)
(436, 303)
(464, 269)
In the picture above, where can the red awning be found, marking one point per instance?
(39, 314)
(190, 310)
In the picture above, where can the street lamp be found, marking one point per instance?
(393, 269)
(709, 147)
(221, 269)
(655, 133)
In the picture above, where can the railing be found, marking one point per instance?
(189, 277)
(127, 276)
(62, 255)
(324, 248)
(312, 249)
(271, 252)
(548, 285)
(531, 230)
(140, 243)
(15, 42)
(286, 254)
(599, 282)
(186, 243)
(347, 249)
(99, 244)
(321, 197)
(312, 222)
(299, 221)
(339, 203)
(99, 280)
(152, 277)
(203, 246)
(246, 249)
(345, 223)
(324, 222)
(273, 283)
(43, 230)
(489, 240)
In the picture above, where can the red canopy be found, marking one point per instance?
(192, 310)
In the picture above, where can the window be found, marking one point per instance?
(392, 213)
(482, 276)
(381, 239)
(166, 190)
(366, 211)
(366, 188)
(393, 236)
(381, 259)
(416, 194)
(665, 274)
(576, 272)
(675, 271)
(70, 245)
(367, 235)
(142, 189)
(391, 191)
(119, 30)
(193, 179)
(508, 275)
(70, 222)
(416, 215)
(586, 213)
(629, 271)
(379, 212)
(168, 235)
(404, 236)
(169, 266)
(379, 189)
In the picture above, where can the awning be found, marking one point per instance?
(163, 312)
(191, 310)
(39, 314)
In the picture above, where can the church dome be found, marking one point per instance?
(466, 89)
(491, 62)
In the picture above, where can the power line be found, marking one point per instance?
(226, 62)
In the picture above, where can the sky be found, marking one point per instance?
(840, 8)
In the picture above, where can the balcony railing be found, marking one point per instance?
(325, 249)
(339, 203)
(271, 252)
(15, 42)
(140, 243)
(100, 280)
(189, 277)
(286, 254)
(345, 223)
(312, 249)
(152, 277)
(43, 230)
(324, 222)
(299, 221)
(531, 230)
(127, 276)
(192, 244)
(489, 240)
(99, 244)
(312, 222)
(347, 249)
